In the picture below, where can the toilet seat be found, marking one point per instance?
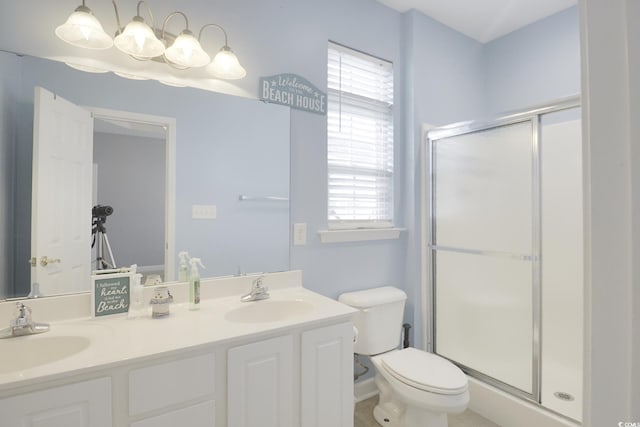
(425, 371)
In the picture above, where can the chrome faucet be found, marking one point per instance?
(257, 292)
(23, 324)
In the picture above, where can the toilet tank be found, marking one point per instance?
(379, 318)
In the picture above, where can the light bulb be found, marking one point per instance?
(140, 39)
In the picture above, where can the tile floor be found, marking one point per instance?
(364, 417)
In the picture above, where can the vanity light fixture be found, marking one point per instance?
(145, 42)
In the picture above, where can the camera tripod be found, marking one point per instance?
(100, 237)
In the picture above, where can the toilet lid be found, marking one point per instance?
(425, 371)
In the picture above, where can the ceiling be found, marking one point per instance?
(483, 20)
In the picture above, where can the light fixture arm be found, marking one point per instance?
(171, 15)
(216, 26)
(153, 23)
(115, 8)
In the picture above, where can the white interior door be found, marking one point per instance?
(61, 198)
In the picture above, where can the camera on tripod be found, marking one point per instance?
(100, 211)
(99, 234)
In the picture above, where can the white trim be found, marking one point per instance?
(365, 389)
(169, 123)
(359, 235)
(357, 225)
(609, 72)
(423, 186)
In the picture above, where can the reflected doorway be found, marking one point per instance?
(134, 175)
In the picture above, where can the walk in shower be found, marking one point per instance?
(504, 252)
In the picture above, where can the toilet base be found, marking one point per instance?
(391, 412)
(390, 415)
(415, 417)
(387, 415)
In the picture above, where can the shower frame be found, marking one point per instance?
(428, 225)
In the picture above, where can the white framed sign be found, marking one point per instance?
(110, 292)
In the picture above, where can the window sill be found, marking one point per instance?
(359, 235)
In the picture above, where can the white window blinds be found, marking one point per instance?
(360, 139)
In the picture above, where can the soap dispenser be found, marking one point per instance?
(183, 271)
(194, 284)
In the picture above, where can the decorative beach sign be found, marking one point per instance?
(110, 293)
(293, 91)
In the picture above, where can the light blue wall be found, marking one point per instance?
(533, 65)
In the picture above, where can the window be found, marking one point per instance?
(360, 140)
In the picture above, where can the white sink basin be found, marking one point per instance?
(21, 353)
(269, 311)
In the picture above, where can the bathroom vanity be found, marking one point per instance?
(285, 361)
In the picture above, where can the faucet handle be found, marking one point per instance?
(257, 284)
(22, 315)
(22, 310)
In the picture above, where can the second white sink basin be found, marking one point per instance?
(30, 351)
(269, 311)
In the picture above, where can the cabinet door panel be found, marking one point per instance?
(200, 415)
(171, 383)
(85, 404)
(260, 384)
(327, 376)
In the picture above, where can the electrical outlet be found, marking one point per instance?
(203, 212)
(300, 233)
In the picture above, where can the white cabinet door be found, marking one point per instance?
(260, 384)
(327, 377)
(85, 404)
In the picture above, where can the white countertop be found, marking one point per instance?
(117, 339)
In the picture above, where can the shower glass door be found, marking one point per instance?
(484, 248)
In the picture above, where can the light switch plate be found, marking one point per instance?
(300, 233)
(203, 212)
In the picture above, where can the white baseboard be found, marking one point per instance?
(365, 389)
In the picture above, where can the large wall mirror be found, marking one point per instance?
(226, 204)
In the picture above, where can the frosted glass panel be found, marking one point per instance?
(484, 315)
(483, 189)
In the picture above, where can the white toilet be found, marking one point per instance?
(417, 389)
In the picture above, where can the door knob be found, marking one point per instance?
(44, 261)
